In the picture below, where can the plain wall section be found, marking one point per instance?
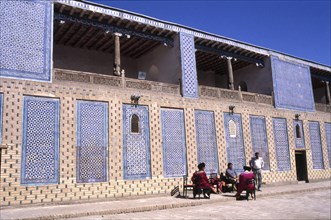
(90, 61)
(206, 78)
(162, 64)
(258, 80)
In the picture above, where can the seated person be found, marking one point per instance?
(243, 179)
(231, 175)
(200, 179)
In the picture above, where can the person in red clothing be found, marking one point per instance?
(201, 181)
(245, 182)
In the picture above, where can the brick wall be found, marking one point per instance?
(13, 193)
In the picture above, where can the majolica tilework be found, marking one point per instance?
(298, 134)
(316, 145)
(189, 70)
(292, 92)
(136, 149)
(259, 139)
(328, 140)
(26, 39)
(1, 107)
(281, 144)
(92, 141)
(234, 141)
(206, 140)
(173, 139)
(40, 147)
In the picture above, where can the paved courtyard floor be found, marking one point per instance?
(307, 205)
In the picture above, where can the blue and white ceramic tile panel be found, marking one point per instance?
(281, 144)
(206, 140)
(259, 139)
(26, 39)
(136, 148)
(173, 139)
(328, 140)
(292, 86)
(316, 145)
(40, 147)
(299, 142)
(234, 145)
(189, 70)
(92, 141)
(1, 107)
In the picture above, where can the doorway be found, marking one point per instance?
(301, 165)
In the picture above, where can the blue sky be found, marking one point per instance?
(299, 28)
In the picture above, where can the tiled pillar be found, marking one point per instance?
(189, 71)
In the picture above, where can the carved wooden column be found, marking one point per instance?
(327, 92)
(117, 55)
(230, 74)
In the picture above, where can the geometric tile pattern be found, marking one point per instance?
(281, 144)
(234, 144)
(136, 149)
(316, 145)
(173, 141)
(189, 71)
(206, 140)
(299, 138)
(259, 139)
(1, 106)
(92, 141)
(292, 92)
(40, 147)
(26, 39)
(328, 140)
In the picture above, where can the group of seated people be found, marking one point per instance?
(240, 183)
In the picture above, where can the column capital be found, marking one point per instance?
(118, 34)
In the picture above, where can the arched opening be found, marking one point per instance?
(297, 131)
(243, 86)
(135, 124)
(232, 129)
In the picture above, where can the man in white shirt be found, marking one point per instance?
(257, 164)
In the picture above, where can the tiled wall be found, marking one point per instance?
(118, 182)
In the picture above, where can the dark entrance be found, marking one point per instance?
(301, 165)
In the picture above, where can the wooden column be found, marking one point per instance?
(327, 92)
(230, 74)
(117, 55)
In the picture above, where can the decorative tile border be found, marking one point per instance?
(173, 141)
(291, 92)
(259, 138)
(190, 87)
(281, 144)
(316, 145)
(92, 141)
(328, 140)
(136, 149)
(1, 107)
(299, 142)
(234, 143)
(28, 55)
(206, 140)
(41, 135)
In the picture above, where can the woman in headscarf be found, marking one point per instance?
(201, 181)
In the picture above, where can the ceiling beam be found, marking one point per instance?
(114, 29)
(220, 52)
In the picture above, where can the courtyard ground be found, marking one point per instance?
(291, 201)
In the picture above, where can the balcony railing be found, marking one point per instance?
(219, 93)
(61, 75)
(114, 81)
